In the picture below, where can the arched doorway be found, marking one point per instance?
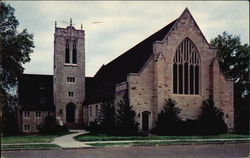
(145, 120)
(70, 113)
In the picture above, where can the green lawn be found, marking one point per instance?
(34, 138)
(34, 146)
(155, 143)
(100, 137)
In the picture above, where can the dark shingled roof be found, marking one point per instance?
(31, 88)
(116, 71)
(88, 85)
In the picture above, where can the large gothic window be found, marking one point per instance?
(74, 53)
(186, 67)
(67, 52)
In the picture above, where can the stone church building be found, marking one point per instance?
(175, 62)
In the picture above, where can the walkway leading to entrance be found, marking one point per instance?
(68, 141)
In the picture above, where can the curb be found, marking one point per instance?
(19, 149)
(113, 146)
(56, 148)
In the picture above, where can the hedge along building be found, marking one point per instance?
(176, 62)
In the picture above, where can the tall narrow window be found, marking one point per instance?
(186, 77)
(186, 68)
(180, 78)
(74, 59)
(175, 78)
(191, 79)
(67, 52)
(196, 79)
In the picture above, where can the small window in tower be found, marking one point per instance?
(67, 52)
(74, 59)
(71, 94)
(70, 79)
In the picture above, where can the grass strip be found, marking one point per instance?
(34, 138)
(163, 143)
(34, 146)
(101, 137)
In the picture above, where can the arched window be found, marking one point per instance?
(74, 53)
(67, 52)
(186, 68)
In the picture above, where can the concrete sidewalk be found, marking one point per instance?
(68, 141)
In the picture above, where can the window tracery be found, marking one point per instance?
(186, 69)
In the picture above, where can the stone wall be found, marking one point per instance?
(141, 92)
(32, 121)
(223, 95)
(91, 112)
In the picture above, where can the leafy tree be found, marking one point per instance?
(211, 119)
(125, 118)
(233, 58)
(168, 121)
(15, 48)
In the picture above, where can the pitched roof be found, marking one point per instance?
(116, 71)
(31, 88)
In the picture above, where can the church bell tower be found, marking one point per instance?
(69, 75)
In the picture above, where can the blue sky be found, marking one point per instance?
(122, 25)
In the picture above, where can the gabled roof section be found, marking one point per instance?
(186, 11)
(129, 62)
